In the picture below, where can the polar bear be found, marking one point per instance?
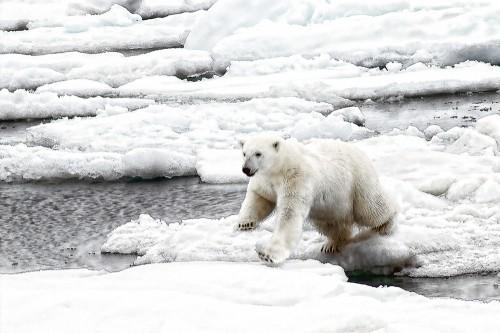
(331, 183)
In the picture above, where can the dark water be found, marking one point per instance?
(53, 226)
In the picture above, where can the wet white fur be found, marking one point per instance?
(330, 182)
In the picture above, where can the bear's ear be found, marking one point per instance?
(242, 143)
(276, 145)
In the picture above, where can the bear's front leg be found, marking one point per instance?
(290, 218)
(253, 210)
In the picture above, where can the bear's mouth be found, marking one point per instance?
(249, 172)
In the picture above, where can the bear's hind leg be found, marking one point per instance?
(338, 236)
(385, 228)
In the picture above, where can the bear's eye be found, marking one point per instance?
(244, 154)
(258, 154)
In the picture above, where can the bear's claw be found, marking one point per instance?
(245, 226)
(328, 248)
(265, 257)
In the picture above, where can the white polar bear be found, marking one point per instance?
(331, 183)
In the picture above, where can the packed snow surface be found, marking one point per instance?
(232, 297)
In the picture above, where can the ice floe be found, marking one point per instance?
(368, 35)
(227, 297)
(95, 35)
(336, 85)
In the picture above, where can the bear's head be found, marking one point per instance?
(261, 153)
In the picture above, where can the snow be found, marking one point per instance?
(365, 34)
(96, 35)
(22, 104)
(30, 72)
(227, 297)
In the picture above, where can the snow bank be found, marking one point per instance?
(334, 85)
(30, 72)
(25, 105)
(369, 35)
(91, 37)
(231, 297)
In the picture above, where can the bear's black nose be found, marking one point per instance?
(246, 171)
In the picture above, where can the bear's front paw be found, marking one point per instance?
(272, 254)
(245, 226)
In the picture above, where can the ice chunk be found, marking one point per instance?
(352, 115)
(393, 67)
(78, 87)
(490, 126)
(431, 131)
(216, 166)
(160, 8)
(472, 142)
(150, 163)
(25, 105)
(32, 78)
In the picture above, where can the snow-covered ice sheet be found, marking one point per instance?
(20, 71)
(96, 35)
(233, 297)
(443, 32)
(448, 189)
(22, 104)
(336, 84)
